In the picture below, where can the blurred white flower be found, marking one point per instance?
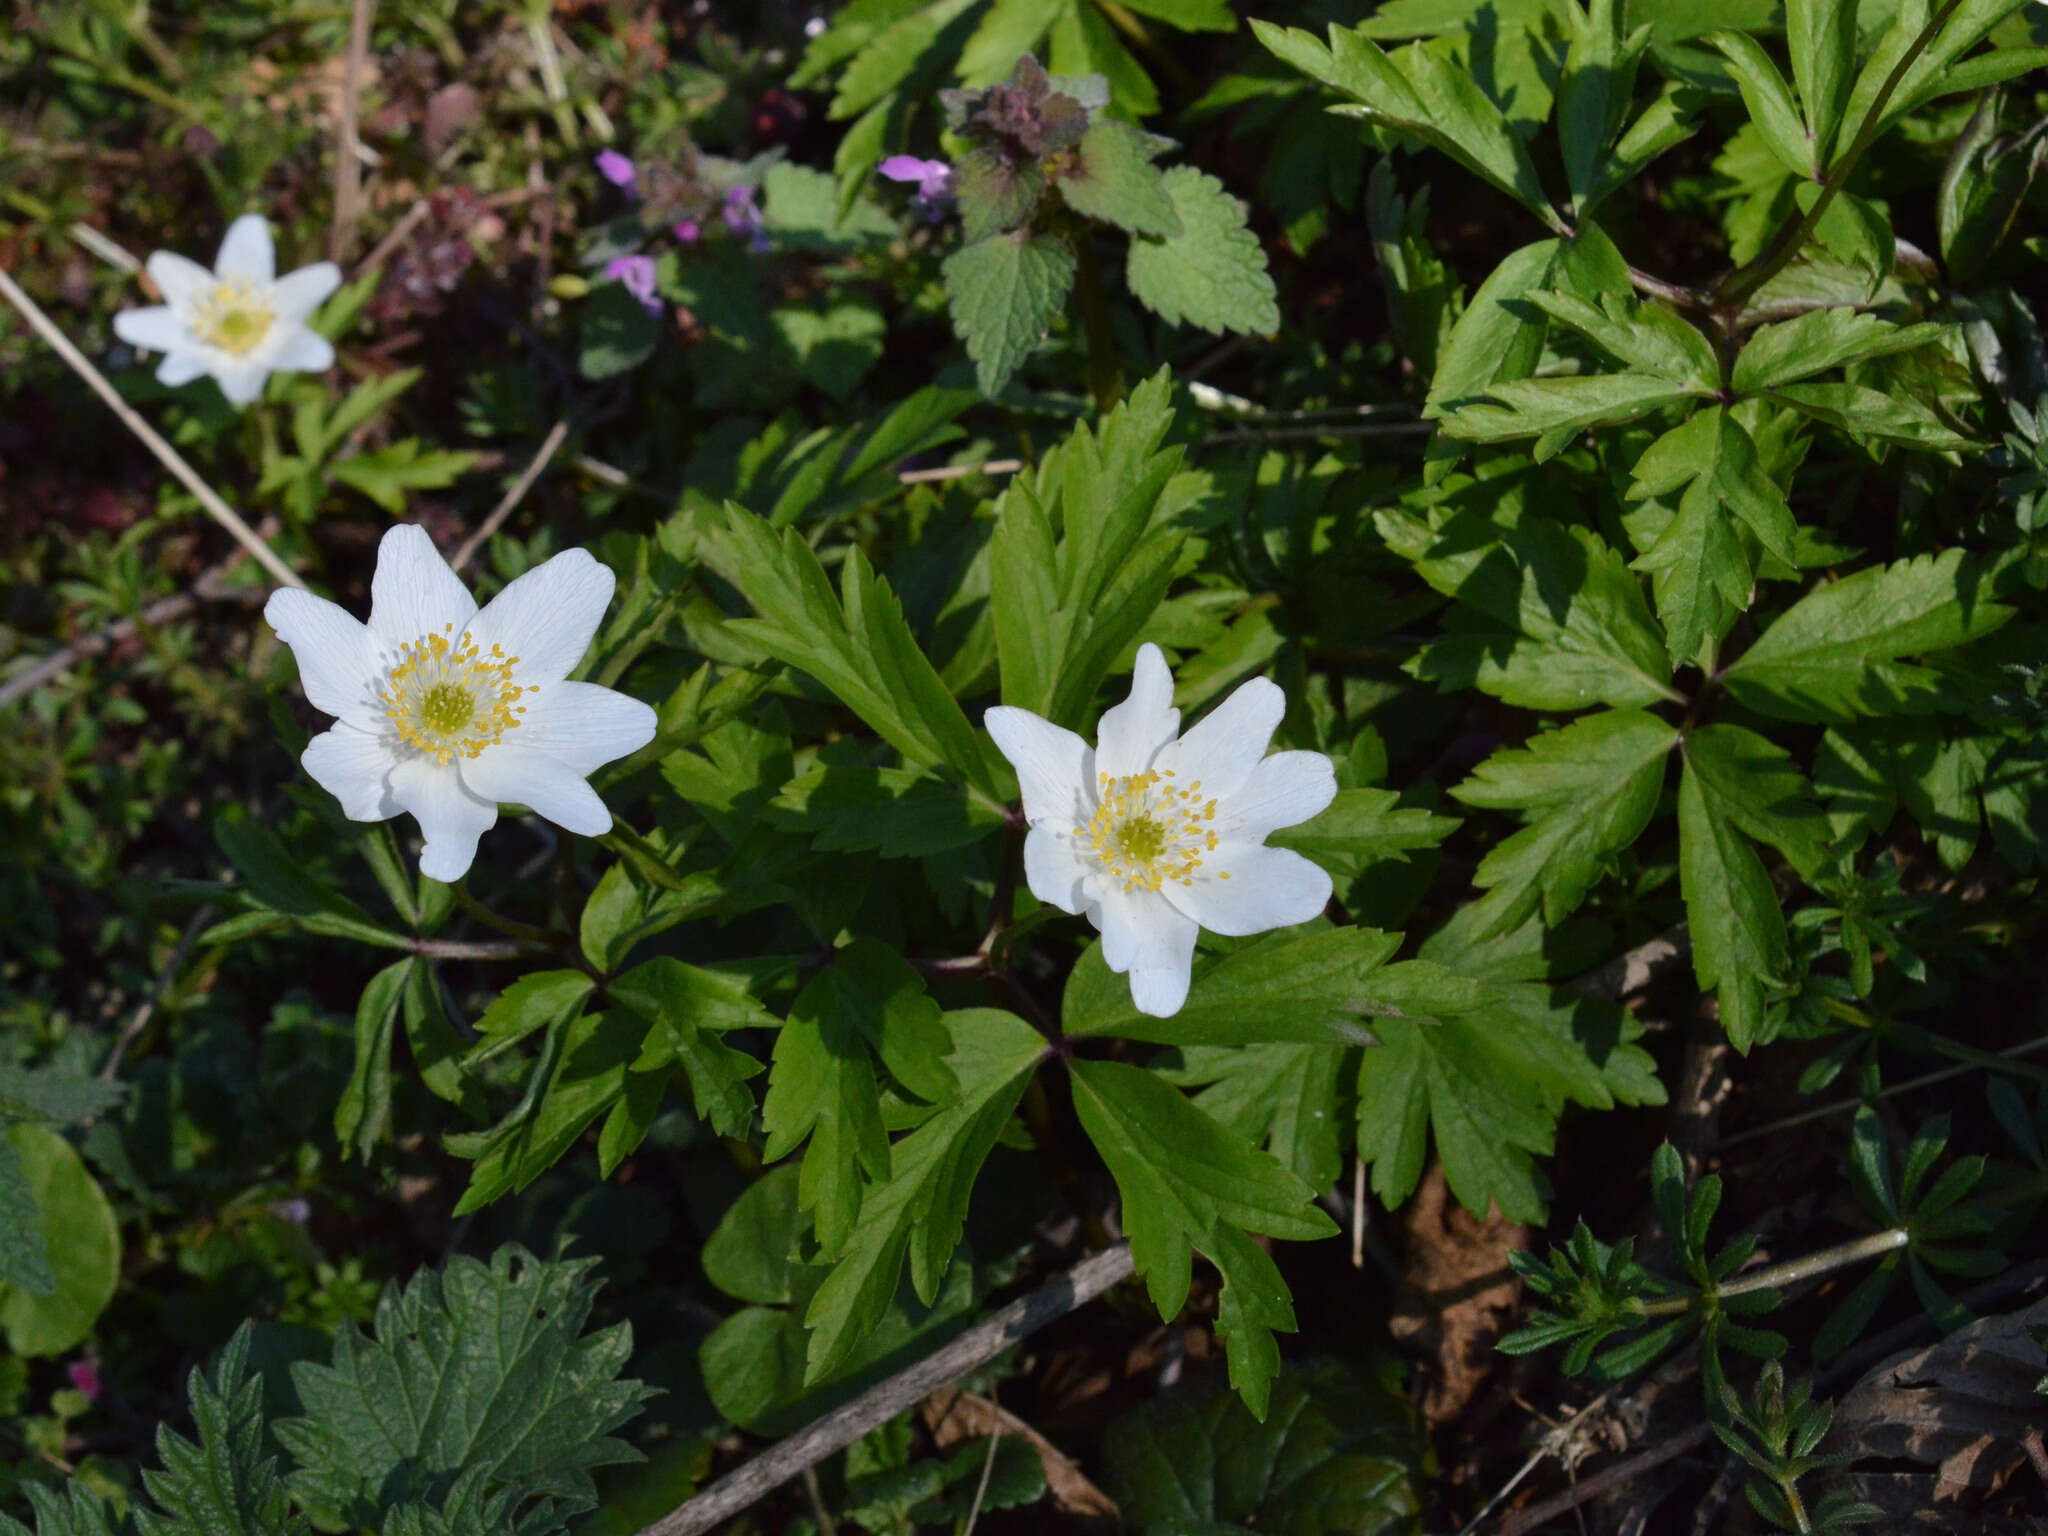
(443, 711)
(1155, 835)
(240, 322)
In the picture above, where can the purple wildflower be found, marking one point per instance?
(744, 219)
(687, 231)
(934, 178)
(85, 1376)
(618, 170)
(637, 273)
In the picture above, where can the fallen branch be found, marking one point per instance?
(557, 435)
(1019, 1320)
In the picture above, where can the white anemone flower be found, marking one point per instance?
(443, 710)
(1155, 835)
(240, 322)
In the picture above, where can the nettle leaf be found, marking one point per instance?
(1282, 1097)
(1004, 294)
(1187, 1183)
(690, 1007)
(1737, 786)
(1110, 176)
(1551, 617)
(1485, 1068)
(857, 644)
(479, 1369)
(53, 1096)
(867, 1004)
(997, 192)
(1420, 93)
(1338, 1451)
(1837, 654)
(1065, 610)
(75, 1511)
(1588, 789)
(1360, 828)
(922, 1207)
(1701, 564)
(1642, 336)
(1297, 984)
(224, 1483)
(1212, 272)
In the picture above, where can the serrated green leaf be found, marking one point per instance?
(81, 1241)
(1082, 43)
(1838, 654)
(362, 1116)
(1640, 335)
(386, 475)
(847, 805)
(539, 1000)
(1004, 293)
(53, 1096)
(1110, 176)
(1556, 410)
(891, 53)
(223, 1483)
(1485, 1069)
(1588, 790)
(1187, 1183)
(1362, 827)
(1282, 1097)
(75, 1511)
(1212, 273)
(690, 1008)
(1557, 622)
(996, 193)
(277, 882)
(1700, 564)
(1770, 103)
(1666, 122)
(437, 1046)
(1864, 412)
(1821, 36)
(922, 1207)
(474, 1368)
(1296, 984)
(1594, 92)
(1009, 30)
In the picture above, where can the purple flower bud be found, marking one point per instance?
(687, 231)
(85, 1376)
(637, 273)
(934, 178)
(618, 170)
(744, 219)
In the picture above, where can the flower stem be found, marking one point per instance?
(510, 927)
(1809, 1267)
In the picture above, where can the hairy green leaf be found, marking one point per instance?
(1004, 293)
(1110, 176)
(1212, 272)
(223, 1483)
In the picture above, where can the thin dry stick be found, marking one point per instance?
(816, 1495)
(490, 525)
(391, 242)
(348, 168)
(958, 471)
(168, 456)
(1020, 1319)
(995, 1434)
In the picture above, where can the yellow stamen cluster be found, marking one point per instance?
(447, 698)
(234, 315)
(1147, 831)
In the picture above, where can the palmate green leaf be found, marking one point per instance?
(1556, 410)
(1111, 177)
(1939, 70)
(1669, 120)
(1004, 293)
(1595, 92)
(1420, 93)
(1485, 1069)
(1297, 984)
(690, 1007)
(223, 1484)
(80, 1239)
(1837, 655)
(1282, 1097)
(1551, 617)
(857, 644)
(474, 1368)
(1187, 1183)
(1212, 271)
(922, 1207)
(1818, 341)
(1770, 103)
(1641, 336)
(1865, 772)
(1738, 786)
(867, 1004)
(1065, 610)
(1701, 564)
(1588, 790)
(1361, 827)
(1337, 1451)
(845, 804)
(536, 1001)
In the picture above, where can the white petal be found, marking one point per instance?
(299, 350)
(583, 725)
(546, 784)
(355, 768)
(158, 328)
(336, 656)
(1055, 768)
(298, 294)
(180, 368)
(1144, 935)
(1130, 735)
(246, 251)
(1282, 791)
(241, 382)
(1222, 748)
(178, 278)
(450, 817)
(414, 593)
(1267, 888)
(547, 616)
(1054, 870)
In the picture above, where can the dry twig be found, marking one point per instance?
(348, 169)
(557, 435)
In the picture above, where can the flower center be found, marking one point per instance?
(1147, 830)
(234, 316)
(448, 699)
